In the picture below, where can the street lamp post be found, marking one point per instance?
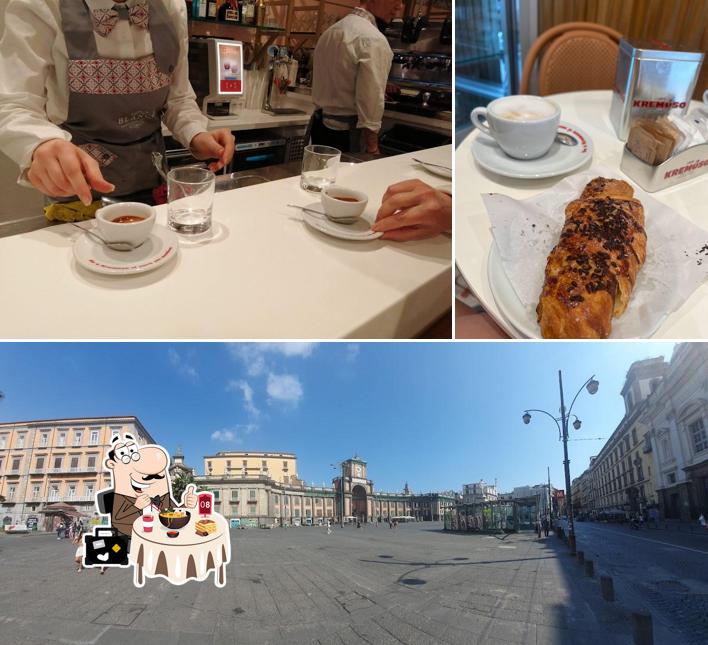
(341, 493)
(591, 385)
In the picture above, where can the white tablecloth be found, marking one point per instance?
(473, 238)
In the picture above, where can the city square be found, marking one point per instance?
(412, 584)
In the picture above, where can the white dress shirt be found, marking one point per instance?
(352, 62)
(34, 90)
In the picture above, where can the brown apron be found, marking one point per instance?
(116, 105)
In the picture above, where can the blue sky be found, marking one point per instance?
(436, 415)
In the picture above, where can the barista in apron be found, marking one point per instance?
(352, 61)
(115, 104)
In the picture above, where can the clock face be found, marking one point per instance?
(357, 470)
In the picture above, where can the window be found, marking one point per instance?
(57, 462)
(43, 440)
(3, 441)
(93, 438)
(11, 492)
(20, 440)
(252, 509)
(35, 491)
(634, 436)
(62, 439)
(77, 438)
(74, 463)
(209, 466)
(640, 473)
(54, 492)
(228, 464)
(72, 491)
(16, 463)
(698, 435)
(672, 478)
(666, 448)
(88, 488)
(244, 463)
(91, 461)
(234, 495)
(252, 494)
(0, 464)
(39, 465)
(297, 512)
(216, 495)
(264, 464)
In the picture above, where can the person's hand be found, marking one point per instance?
(189, 498)
(215, 144)
(413, 210)
(142, 501)
(372, 142)
(61, 169)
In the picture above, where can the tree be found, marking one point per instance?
(179, 483)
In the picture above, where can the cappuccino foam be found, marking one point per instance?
(524, 109)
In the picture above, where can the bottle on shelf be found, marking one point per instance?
(199, 8)
(211, 9)
(248, 13)
(229, 11)
(261, 14)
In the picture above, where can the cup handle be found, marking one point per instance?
(476, 118)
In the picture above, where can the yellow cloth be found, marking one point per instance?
(71, 211)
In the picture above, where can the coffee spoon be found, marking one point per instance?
(566, 139)
(116, 246)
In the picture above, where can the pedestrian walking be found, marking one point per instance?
(702, 521)
(78, 540)
(60, 530)
(546, 526)
(329, 528)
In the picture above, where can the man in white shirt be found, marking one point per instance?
(85, 87)
(352, 62)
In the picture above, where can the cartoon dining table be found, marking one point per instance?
(188, 556)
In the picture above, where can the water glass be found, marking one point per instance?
(190, 195)
(319, 167)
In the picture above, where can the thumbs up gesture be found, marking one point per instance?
(189, 498)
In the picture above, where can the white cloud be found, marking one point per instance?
(284, 387)
(247, 390)
(253, 355)
(352, 352)
(181, 365)
(234, 435)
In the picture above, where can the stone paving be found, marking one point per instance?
(414, 585)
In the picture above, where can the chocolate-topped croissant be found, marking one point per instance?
(591, 272)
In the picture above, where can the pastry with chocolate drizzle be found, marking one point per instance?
(591, 272)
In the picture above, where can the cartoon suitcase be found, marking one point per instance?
(105, 549)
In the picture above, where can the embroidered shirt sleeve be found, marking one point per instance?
(25, 63)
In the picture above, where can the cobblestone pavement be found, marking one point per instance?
(412, 585)
(665, 572)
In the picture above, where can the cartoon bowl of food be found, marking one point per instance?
(174, 519)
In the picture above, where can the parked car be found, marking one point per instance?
(307, 521)
(17, 528)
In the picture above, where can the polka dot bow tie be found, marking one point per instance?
(104, 20)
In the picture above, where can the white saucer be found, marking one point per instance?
(161, 247)
(558, 160)
(359, 231)
(436, 170)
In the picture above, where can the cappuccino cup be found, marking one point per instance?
(523, 126)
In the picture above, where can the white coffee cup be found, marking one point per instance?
(523, 126)
(134, 232)
(342, 203)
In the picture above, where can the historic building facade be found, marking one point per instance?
(57, 461)
(479, 492)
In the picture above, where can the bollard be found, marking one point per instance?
(642, 628)
(607, 588)
(581, 557)
(589, 568)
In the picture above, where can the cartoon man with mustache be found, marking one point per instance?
(140, 479)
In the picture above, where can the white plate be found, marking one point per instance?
(558, 160)
(436, 170)
(522, 321)
(161, 247)
(359, 231)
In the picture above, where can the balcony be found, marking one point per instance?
(14, 472)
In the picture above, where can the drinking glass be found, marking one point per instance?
(319, 167)
(190, 195)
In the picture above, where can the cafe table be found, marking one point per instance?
(178, 559)
(473, 237)
(263, 273)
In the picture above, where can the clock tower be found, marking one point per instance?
(354, 491)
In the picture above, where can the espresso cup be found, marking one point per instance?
(134, 232)
(342, 203)
(523, 126)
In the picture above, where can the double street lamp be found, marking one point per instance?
(591, 385)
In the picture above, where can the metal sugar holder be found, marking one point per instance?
(688, 164)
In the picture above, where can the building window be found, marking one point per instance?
(252, 494)
(88, 489)
(20, 440)
(74, 463)
(93, 439)
(634, 436)
(698, 435)
(234, 495)
(264, 464)
(252, 509)
(72, 491)
(54, 492)
(228, 464)
(62, 440)
(666, 448)
(16, 463)
(43, 440)
(672, 478)
(3, 441)
(57, 462)
(11, 492)
(40, 463)
(285, 466)
(216, 495)
(91, 461)
(35, 491)
(77, 438)
(244, 463)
